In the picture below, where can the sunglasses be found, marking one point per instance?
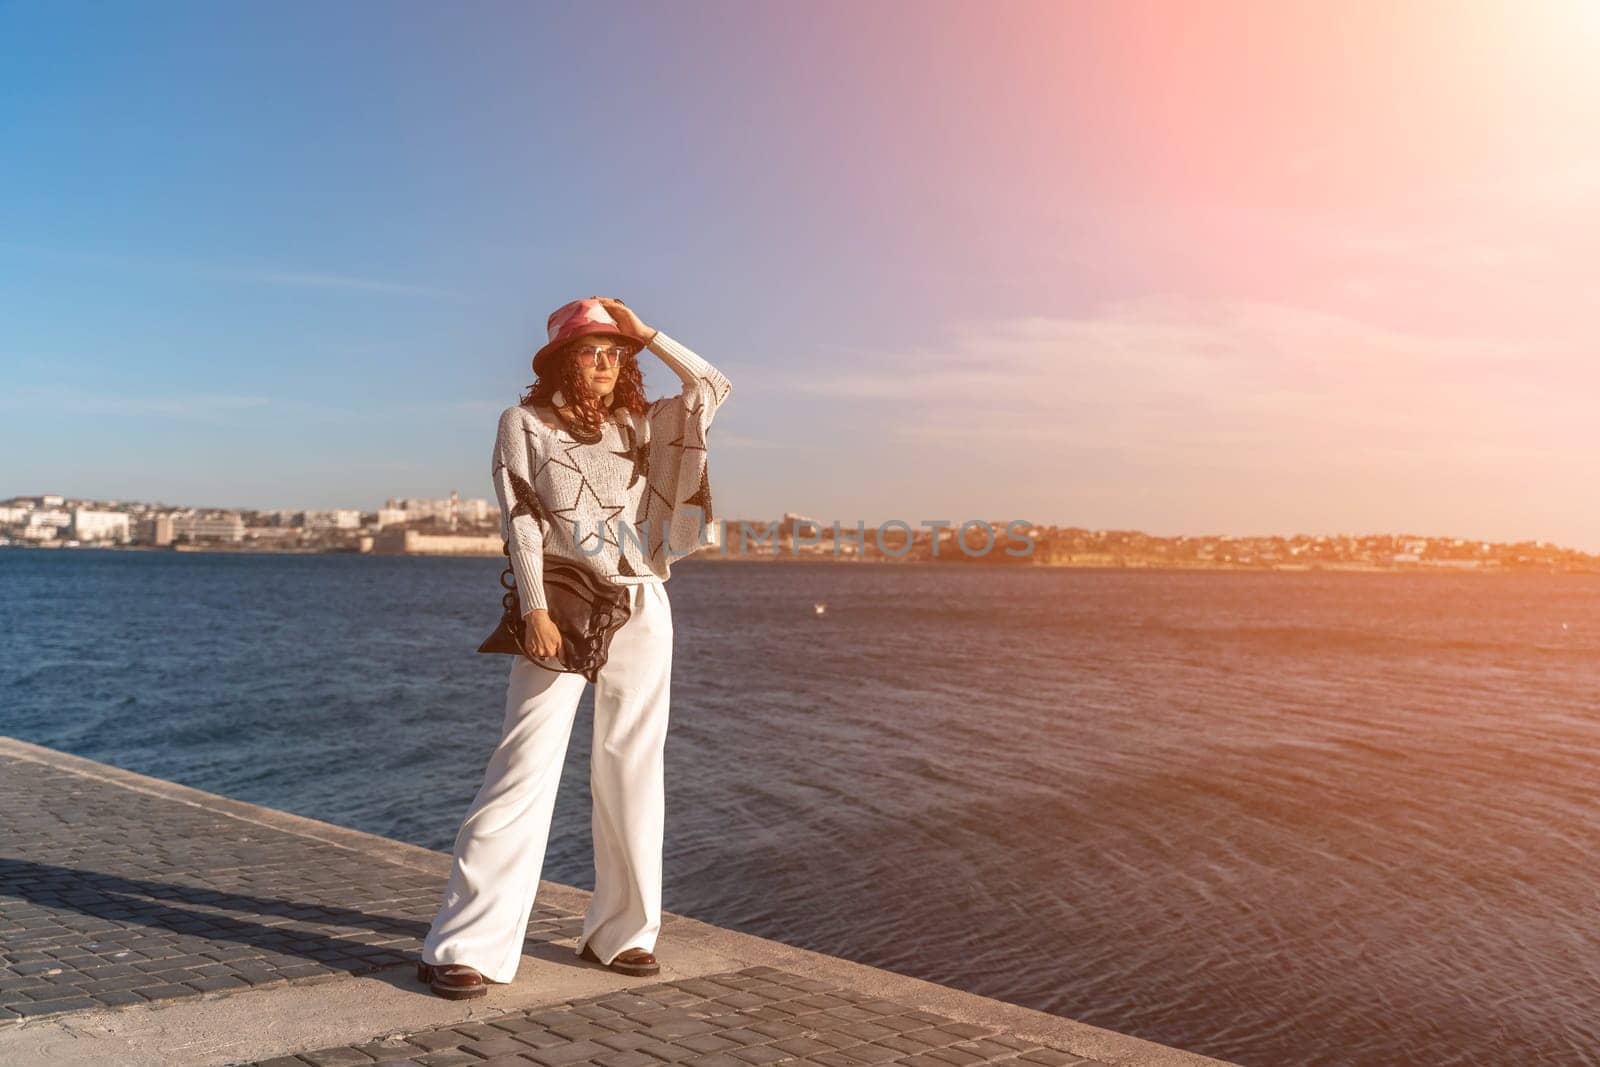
(590, 355)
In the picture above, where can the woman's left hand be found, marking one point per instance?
(630, 323)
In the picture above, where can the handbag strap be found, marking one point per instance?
(511, 602)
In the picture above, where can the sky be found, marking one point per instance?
(1245, 268)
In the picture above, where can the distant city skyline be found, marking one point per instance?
(1093, 265)
(474, 507)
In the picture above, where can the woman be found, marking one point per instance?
(586, 469)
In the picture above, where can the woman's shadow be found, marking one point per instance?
(166, 911)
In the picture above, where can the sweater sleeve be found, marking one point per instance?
(679, 507)
(522, 515)
(704, 386)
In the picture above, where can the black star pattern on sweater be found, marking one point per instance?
(639, 454)
(659, 529)
(564, 460)
(693, 435)
(647, 501)
(528, 502)
(604, 530)
(701, 497)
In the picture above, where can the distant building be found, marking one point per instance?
(450, 509)
(155, 529)
(412, 543)
(272, 536)
(419, 508)
(53, 517)
(89, 525)
(793, 525)
(337, 519)
(215, 526)
(391, 517)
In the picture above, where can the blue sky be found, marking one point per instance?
(1071, 263)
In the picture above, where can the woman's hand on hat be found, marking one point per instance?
(629, 323)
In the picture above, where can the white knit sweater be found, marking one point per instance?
(624, 506)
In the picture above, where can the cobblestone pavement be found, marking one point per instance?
(110, 896)
(746, 1018)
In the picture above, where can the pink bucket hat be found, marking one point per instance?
(577, 319)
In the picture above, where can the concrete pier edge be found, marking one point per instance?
(94, 1037)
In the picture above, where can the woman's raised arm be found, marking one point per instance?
(704, 386)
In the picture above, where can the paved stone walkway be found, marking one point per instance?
(146, 923)
(746, 1018)
(113, 897)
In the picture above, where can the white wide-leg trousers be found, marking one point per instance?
(500, 848)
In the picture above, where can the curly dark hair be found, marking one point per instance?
(587, 412)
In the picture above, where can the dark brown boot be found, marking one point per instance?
(633, 961)
(453, 981)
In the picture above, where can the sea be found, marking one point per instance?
(1307, 818)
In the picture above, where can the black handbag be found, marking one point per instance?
(586, 609)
